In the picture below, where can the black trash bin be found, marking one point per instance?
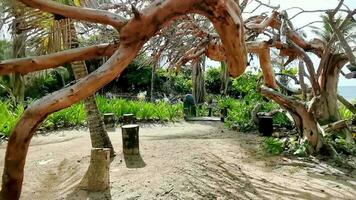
(265, 125)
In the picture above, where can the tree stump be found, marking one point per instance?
(109, 121)
(128, 119)
(98, 172)
(130, 139)
(265, 125)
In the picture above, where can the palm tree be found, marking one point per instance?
(98, 134)
(54, 34)
(17, 83)
(326, 32)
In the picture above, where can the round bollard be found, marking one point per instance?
(128, 119)
(130, 139)
(109, 121)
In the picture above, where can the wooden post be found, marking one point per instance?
(109, 121)
(130, 139)
(98, 172)
(128, 119)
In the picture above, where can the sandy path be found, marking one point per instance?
(178, 161)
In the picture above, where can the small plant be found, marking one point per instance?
(9, 115)
(273, 146)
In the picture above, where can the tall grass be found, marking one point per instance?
(75, 115)
(144, 111)
(8, 116)
(69, 117)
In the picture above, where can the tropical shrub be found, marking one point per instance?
(273, 146)
(74, 116)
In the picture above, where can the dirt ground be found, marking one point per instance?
(200, 160)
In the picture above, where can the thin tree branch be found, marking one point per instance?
(26, 65)
(78, 13)
(310, 66)
(346, 103)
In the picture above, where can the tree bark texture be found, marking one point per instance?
(98, 135)
(18, 51)
(198, 82)
(97, 177)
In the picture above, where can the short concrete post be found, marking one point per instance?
(130, 139)
(128, 119)
(109, 120)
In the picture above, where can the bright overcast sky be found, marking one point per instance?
(309, 17)
(304, 19)
(299, 21)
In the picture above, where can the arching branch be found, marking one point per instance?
(27, 65)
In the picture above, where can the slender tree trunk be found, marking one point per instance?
(198, 82)
(224, 77)
(19, 51)
(98, 135)
(301, 73)
(153, 77)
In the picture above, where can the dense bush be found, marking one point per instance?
(144, 111)
(75, 115)
(212, 80)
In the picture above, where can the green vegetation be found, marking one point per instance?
(240, 109)
(8, 116)
(74, 116)
(273, 146)
(345, 113)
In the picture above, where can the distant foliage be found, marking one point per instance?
(74, 116)
(212, 80)
(144, 111)
(42, 83)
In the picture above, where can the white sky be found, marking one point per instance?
(304, 19)
(298, 21)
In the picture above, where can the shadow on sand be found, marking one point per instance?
(215, 178)
(134, 161)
